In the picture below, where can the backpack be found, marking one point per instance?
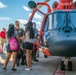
(13, 44)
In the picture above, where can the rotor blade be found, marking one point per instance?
(39, 6)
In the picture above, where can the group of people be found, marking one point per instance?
(26, 49)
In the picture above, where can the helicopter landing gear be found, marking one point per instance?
(66, 64)
(70, 66)
(62, 66)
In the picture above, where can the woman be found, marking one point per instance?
(10, 34)
(29, 39)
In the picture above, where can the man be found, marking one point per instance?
(20, 34)
(3, 36)
(36, 40)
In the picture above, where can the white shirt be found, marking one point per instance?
(27, 39)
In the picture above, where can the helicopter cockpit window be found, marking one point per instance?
(50, 21)
(46, 25)
(58, 20)
(72, 20)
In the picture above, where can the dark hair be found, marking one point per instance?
(10, 31)
(31, 35)
(17, 21)
(29, 27)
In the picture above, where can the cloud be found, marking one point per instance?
(37, 16)
(2, 5)
(37, 22)
(5, 18)
(26, 8)
(22, 21)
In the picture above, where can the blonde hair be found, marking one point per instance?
(17, 21)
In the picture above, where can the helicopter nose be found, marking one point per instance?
(63, 46)
(61, 42)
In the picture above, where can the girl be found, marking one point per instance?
(11, 33)
(29, 39)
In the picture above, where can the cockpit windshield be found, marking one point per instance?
(59, 19)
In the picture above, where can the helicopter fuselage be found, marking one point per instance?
(61, 28)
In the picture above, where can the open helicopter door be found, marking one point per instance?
(32, 5)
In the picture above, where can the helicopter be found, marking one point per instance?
(59, 28)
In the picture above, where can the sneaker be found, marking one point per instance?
(45, 56)
(30, 68)
(27, 69)
(13, 69)
(4, 68)
(18, 65)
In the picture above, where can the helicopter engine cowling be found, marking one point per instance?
(65, 1)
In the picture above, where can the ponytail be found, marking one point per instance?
(31, 35)
(10, 31)
(29, 27)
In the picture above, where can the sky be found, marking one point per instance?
(12, 10)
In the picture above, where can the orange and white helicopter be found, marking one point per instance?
(59, 28)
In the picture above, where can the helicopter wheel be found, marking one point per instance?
(70, 66)
(62, 66)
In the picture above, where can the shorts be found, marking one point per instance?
(29, 45)
(3, 41)
(8, 49)
(24, 45)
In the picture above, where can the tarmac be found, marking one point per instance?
(45, 66)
